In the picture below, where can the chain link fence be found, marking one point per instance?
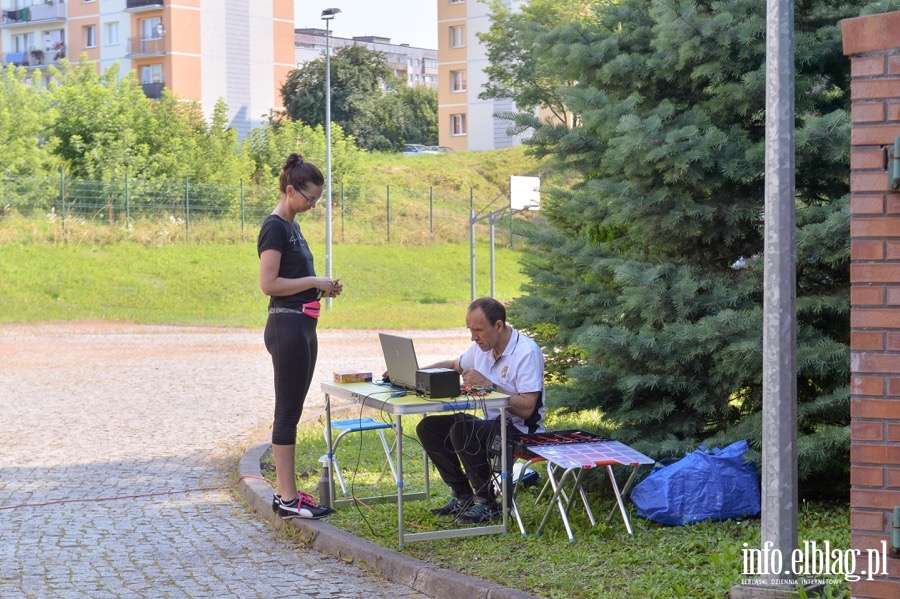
(168, 211)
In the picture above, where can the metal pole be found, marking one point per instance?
(243, 215)
(62, 199)
(389, 213)
(778, 530)
(127, 201)
(328, 154)
(187, 208)
(472, 221)
(492, 220)
(779, 450)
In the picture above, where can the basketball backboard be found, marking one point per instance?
(524, 193)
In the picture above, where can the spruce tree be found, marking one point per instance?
(648, 293)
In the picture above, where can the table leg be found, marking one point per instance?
(400, 478)
(504, 470)
(625, 490)
(557, 499)
(615, 486)
(578, 487)
(329, 446)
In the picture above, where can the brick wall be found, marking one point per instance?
(873, 45)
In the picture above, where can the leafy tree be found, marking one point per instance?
(175, 136)
(223, 160)
(419, 105)
(24, 116)
(357, 75)
(372, 106)
(268, 147)
(105, 128)
(649, 286)
(99, 129)
(516, 69)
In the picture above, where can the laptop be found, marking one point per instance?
(400, 360)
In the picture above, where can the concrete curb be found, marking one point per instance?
(393, 566)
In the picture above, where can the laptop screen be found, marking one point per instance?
(400, 360)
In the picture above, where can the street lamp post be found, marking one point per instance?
(327, 15)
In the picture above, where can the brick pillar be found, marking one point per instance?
(873, 45)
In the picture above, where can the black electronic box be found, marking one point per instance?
(437, 383)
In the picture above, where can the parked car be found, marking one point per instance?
(418, 149)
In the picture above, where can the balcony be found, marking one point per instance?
(153, 90)
(37, 57)
(139, 5)
(51, 55)
(37, 13)
(150, 46)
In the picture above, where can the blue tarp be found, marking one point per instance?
(707, 484)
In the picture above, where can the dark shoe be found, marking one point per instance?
(479, 513)
(276, 500)
(303, 506)
(452, 507)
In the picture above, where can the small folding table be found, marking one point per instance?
(575, 453)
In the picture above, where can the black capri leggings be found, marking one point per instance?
(291, 339)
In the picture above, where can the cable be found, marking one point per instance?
(356, 501)
(114, 498)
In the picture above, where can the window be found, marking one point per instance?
(52, 37)
(111, 33)
(457, 1)
(151, 73)
(457, 81)
(457, 124)
(151, 28)
(90, 36)
(24, 42)
(457, 36)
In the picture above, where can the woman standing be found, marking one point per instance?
(287, 276)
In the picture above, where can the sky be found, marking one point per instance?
(412, 22)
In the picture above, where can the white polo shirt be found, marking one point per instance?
(519, 370)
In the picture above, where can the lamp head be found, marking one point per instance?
(329, 13)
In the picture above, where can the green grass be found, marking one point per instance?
(401, 200)
(700, 561)
(218, 284)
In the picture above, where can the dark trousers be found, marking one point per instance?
(457, 445)
(292, 341)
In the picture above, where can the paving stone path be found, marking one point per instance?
(118, 445)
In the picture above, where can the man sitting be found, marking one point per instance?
(500, 359)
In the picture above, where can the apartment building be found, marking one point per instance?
(416, 66)
(465, 121)
(203, 50)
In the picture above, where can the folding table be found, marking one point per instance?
(379, 397)
(576, 458)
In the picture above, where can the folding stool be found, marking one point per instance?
(359, 425)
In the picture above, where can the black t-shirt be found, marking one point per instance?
(296, 259)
